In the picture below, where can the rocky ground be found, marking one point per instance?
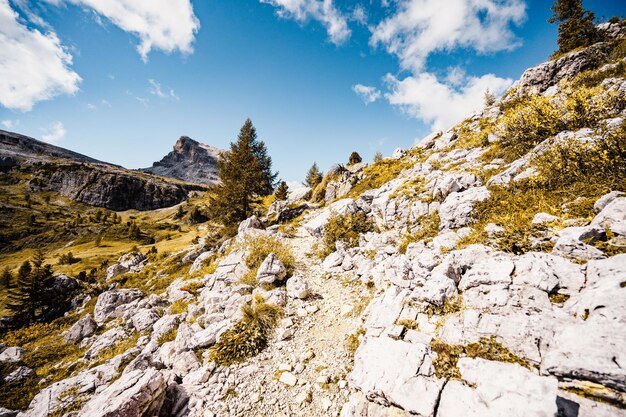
(435, 311)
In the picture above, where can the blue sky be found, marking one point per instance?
(121, 80)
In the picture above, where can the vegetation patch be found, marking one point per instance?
(354, 340)
(346, 228)
(260, 246)
(428, 228)
(486, 348)
(379, 173)
(179, 306)
(249, 336)
(168, 336)
(474, 136)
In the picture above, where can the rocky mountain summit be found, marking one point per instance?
(190, 161)
(84, 179)
(480, 273)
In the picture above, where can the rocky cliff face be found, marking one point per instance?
(190, 161)
(84, 179)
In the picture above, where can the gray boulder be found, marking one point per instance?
(456, 210)
(12, 354)
(271, 270)
(109, 303)
(297, 287)
(496, 389)
(83, 328)
(137, 393)
(21, 373)
(398, 373)
(251, 223)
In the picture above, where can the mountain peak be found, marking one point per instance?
(189, 160)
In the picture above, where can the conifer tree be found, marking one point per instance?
(281, 191)
(576, 25)
(6, 279)
(26, 300)
(246, 174)
(314, 176)
(355, 158)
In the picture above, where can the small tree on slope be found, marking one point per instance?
(246, 174)
(576, 25)
(314, 176)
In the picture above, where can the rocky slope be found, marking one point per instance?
(487, 278)
(84, 179)
(190, 161)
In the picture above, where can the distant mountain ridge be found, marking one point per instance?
(190, 161)
(85, 179)
(17, 147)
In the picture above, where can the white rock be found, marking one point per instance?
(606, 199)
(316, 225)
(144, 319)
(109, 303)
(271, 270)
(12, 354)
(200, 262)
(498, 389)
(591, 351)
(393, 372)
(84, 327)
(21, 373)
(251, 223)
(138, 393)
(288, 378)
(543, 218)
(333, 260)
(456, 210)
(297, 287)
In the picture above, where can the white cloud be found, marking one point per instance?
(322, 10)
(421, 27)
(54, 133)
(143, 101)
(91, 106)
(33, 66)
(10, 124)
(155, 89)
(359, 14)
(368, 94)
(168, 25)
(424, 97)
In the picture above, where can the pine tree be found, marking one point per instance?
(6, 279)
(355, 158)
(26, 300)
(489, 98)
(246, 174)
(314, 176)
(281, 191)
(378, 156)
(576, 25)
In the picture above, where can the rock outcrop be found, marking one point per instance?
(190, 161)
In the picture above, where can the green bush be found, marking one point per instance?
(249, 336)
(599, 165)
(346, 228)
(260, 246)
(527, 123)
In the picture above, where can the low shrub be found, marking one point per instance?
(260, 246)
(249, 336)
(599, 165)
(346, 228)
(527, 123)
(428, 228)
(379, 173)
